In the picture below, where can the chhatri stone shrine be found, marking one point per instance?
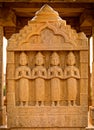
(48, 82)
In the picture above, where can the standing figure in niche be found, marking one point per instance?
(55, 74)
(71, 73)
(23, 75)
(39, 73)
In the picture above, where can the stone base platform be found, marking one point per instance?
(48, 117)
(43, 129)
(1, 128)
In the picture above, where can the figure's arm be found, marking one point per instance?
(17, 75)
(61, 74)
(49, 74)
(28, 74)
(65, 74)
(33, 74)
(45, 74)
(77, 74)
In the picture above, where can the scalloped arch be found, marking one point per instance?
(53, 28)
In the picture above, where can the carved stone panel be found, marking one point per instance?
(47, 75)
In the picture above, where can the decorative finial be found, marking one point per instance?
(46, 13)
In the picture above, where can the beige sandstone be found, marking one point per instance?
(71, 74)
(46, 75)
(39, 73)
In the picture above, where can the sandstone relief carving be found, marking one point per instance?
(55, 74)
(71, 73)
(38, 77)
(39, 74)
(23, 75)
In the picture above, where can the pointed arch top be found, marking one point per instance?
(47, 31)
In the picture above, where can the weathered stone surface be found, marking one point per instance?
(91, 115)
(46, 74)
(49, 128)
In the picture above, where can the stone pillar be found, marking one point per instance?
(92, 87)
(7, 20)
(93, 70)
(84, 78)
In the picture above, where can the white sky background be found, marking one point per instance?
(91, 53)
(4, 54)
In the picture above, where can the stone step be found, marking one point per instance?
(4, 128)
(90, 128)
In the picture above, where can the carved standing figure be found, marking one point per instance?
(39, 73)
(71, 73)
(55, 74)
(23, 75)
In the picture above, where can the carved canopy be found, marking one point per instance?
(47, 31)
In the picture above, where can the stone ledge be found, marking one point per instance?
(89, 128)
(4, 128)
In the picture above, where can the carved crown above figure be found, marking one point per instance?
(47, 31)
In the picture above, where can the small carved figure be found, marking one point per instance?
(23, 75)
(39, 73)
(71, 73)
(55, 74)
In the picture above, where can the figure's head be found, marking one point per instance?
(39, 59)
(23, 59)
(71, 59)
(55, 59)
